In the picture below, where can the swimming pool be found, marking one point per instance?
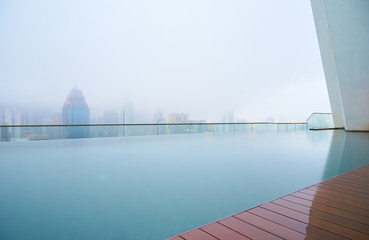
(154, 187)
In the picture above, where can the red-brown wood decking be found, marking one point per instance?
(337, 208)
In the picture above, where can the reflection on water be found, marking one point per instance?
(348, 151)
(4, 134)
(155, 187)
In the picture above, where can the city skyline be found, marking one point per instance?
(44, 116)
(226, 57)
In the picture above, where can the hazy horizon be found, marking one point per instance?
(258, 59)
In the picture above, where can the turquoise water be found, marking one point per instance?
(155, 187)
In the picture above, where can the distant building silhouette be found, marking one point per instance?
(111, 117)
(178, 118)
(228, 118)
(127, 114)
(158, 117)
(75, 111)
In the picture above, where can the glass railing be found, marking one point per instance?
(48, 132)
(320, 121)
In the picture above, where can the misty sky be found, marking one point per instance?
(202, 57)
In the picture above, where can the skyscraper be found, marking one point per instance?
(75, 111)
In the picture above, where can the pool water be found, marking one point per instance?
(155, 187)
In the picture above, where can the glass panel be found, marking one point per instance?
(44, 132)
(320, 120)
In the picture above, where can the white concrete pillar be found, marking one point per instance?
(343, 33)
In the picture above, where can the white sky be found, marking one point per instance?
(203, 57)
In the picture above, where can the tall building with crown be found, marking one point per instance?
(75, 111)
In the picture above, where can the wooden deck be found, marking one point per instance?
(337, 208)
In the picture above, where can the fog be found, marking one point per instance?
(257, 59)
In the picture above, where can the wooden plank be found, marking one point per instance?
(338, 205)
(360, 207)
(282, 220)
(286, 211)
(364, 172)
(358, 186)
(318, 214)
(270, 226)
(361, 176)
(176, 238)
(302, 227)
(361, 170)
(354, 174)
(319, 186)
(322, 209)
(319, 228)
(197, 234)
(355, 179)
(352, 224)
(365, 176)
(301, 201)
(292, 205)
(324, 193)
(248, 229)
(339, 183)
(222, 233)
(343, 198)
(331, 210)
(345, 187)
